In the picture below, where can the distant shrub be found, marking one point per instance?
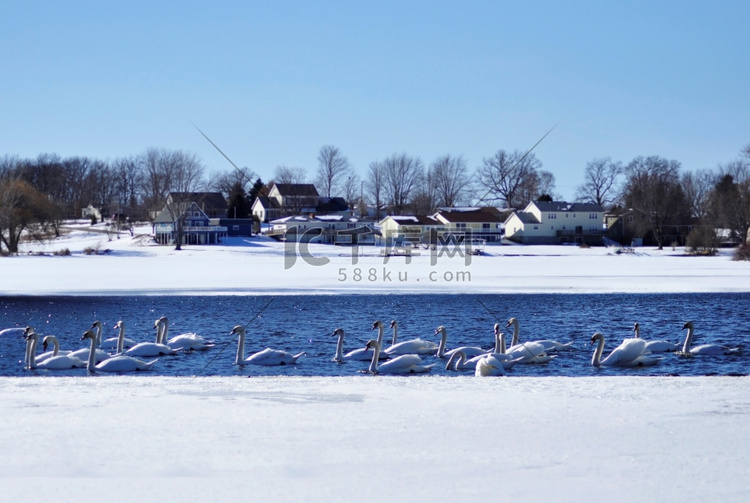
(89, 250)
(584, 245)
(702, 241)
(62, 252)
(742, 252)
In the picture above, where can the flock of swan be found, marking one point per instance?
(401, 357)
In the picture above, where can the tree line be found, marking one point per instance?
(37, 194)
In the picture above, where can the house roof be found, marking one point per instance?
(207, 200)
(296, 189)
(414, 220)
(565, 206)
(525, 217)
(473, 215)
(267, 202)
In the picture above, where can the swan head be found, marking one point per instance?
(377, 324)
(339, 332)
(496, 328)
(440, 330)
(372, 344)
(394, 324)
(512, 321)
(29, 334)
(596, 337)
(119, 324)
(96, 324)
(88, 334)
(238, 329)
(636, 326)
(688, 324)
(48, 339)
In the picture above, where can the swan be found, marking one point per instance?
(58, 362)
(403, 364)
(183, 342)
(110, 343)
(528, 352)
(50, 339)
(487, 366)
(143, 348)
(703, 349)
(119, 363)
(469, 351)
(268, 356)
(413, 346)
(549, 345)
(457, 361)
(631, 353)
(359, 354)
(655, 346)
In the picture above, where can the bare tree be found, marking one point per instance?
(729, 201)
(287, 174)
(375, 185)
(697, 188)
(186, 177)
(504, 174)
(156, 168)
(128, 183)
(653, 191)
(450, 178)
(353, 190)
(600, 182)
(227, 181)
(334, 171)
(402, 175)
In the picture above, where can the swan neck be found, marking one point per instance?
(443, 341)
(55, 345)
(34, 340)
(240, 348)
(395, 335)
(515, 334)
(596, 360)
(375, 356)
(98, 339)
(688, 340)
(121, 340)
(452, 362)
(91, 364)
(339, 349)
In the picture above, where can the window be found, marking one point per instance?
(486, 227)
(460, 225)
(235, 227)
(552, 216)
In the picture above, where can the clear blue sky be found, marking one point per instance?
(272, 82)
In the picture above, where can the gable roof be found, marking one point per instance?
(564, 206)
(296, 189)
(207, 200)
(267, 202)
(414, 220)
(471, 215)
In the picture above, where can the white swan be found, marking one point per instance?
(703, 349)
(267, 357)
(631, 353)
(183, 342)
(55, 351)
(404, 364)
(658, 346)
(527, 352)
(359, 354)
(110, 343)
(119, 363)
(58, 362)
(487, 366)
(469, 351)
(549, 345)
(413, 346)
(457, 361)
(143, 348)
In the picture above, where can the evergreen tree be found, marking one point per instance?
(237, 206)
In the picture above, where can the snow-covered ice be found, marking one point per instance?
(370, 438)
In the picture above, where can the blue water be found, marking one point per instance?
(305, 323)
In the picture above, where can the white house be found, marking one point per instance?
(321, 229)
(485, 223)
(555, 222)
(415, 228)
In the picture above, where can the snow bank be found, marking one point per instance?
(375, 439)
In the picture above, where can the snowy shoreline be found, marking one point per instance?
(376, 438)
